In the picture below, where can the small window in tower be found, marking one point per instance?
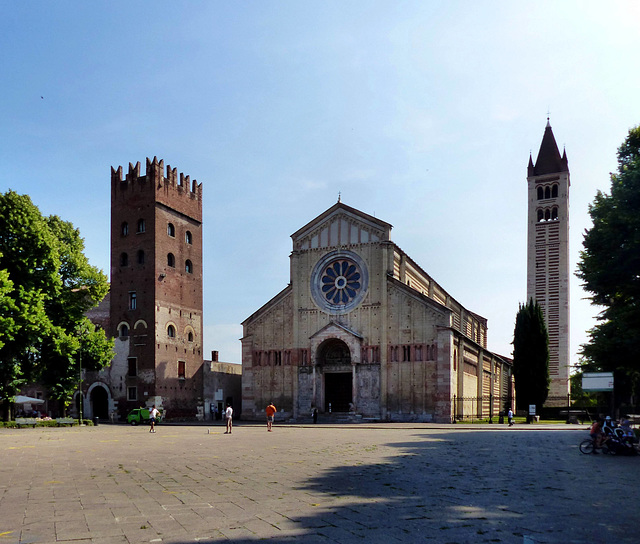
(171, 230)
(554, 213)
(124, 259)
(141, 257)
(547, 192)
(554, 191)
(187, 237)
(190, 337)
(132, 393)
(182, 370)
(171, 331)
(124, 228)
(547, 215)
(141, 225)
(540, 215)
(188, 267)
(540, 193)
(133, 300)
(132, 363)
(171, 260)
(123, 331)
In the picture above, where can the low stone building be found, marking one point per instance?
(222, 386)
(362, 328)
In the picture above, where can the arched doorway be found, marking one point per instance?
(334, 358)
(99, 399)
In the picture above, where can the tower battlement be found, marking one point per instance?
(177, 192)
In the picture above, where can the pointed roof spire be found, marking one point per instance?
(549, 160)
(530, 166)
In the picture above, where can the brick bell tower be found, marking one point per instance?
(156, 289)
(548, 256)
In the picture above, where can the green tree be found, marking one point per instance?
(531, 356)
(46, 286)
(609, 267)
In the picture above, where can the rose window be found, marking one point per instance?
(341, 282)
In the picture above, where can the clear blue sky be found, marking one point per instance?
(420, 113)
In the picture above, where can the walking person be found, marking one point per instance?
(271, 412)
(510, 417)
(228, 414)
(153, 415)
(314, 415)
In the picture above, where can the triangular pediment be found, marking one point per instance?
(341, 226)
(337, 330)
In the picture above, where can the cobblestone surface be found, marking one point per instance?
(315, 484)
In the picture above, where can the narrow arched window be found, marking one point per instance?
(540, 193)
(547, 192)
(124, 259)
(141, 225)
(554, 213)
(188, 267)
(547, 215)
(171, 260)
(140, 256)
(187, 237)
(171, 331)
(540, 215)
(190, 337)
(123, 332)
(554, 191)
(124, 228)
(171, 230)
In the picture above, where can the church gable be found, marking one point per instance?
(340, 226)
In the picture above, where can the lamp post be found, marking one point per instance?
(80, 402)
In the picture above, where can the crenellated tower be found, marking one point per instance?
(156, 288)
(548, 255)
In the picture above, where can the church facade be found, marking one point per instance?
(362, 328)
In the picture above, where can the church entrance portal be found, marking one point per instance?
(335, 360)
(337, 391)
(100, 403)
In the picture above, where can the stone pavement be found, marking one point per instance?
(318, 484)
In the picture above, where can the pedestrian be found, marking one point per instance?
(228, 414)
(271, 412)
(152, 419)
(510, 417)
(314, 415)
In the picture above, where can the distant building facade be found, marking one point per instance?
(154, 307)
(222, 384)
(361, 328)
(548, 255)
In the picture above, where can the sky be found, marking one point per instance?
(421, 113)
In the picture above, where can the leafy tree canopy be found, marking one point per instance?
(610, 270)
(46, 286)
(531, 356)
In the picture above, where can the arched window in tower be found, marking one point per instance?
(540, 193)
(187, 237)
(547, 192)
(171, 331)
(188, 267)
(124, 228)
(540, 216)
(190, 337)
(140, 256)
(554, 191)
(554, 213)
(141, 226)
(124, 259)
(171, 230)
(171, 260)
(547, 215)
(123, 331)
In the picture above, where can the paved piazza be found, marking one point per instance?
(323, 484)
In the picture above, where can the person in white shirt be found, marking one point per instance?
(153, 415)
(228, 414)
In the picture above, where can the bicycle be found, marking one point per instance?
(588, 445)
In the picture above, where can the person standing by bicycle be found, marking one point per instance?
(596, 434)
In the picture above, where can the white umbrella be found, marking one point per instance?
(21, 399)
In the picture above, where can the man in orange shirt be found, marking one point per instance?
(271, 411)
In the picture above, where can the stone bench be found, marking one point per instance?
(65, 421)
(574, 415)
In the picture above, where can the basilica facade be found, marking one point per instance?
(363, 329)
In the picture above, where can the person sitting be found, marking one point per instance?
(596, 434)
(609, 426)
